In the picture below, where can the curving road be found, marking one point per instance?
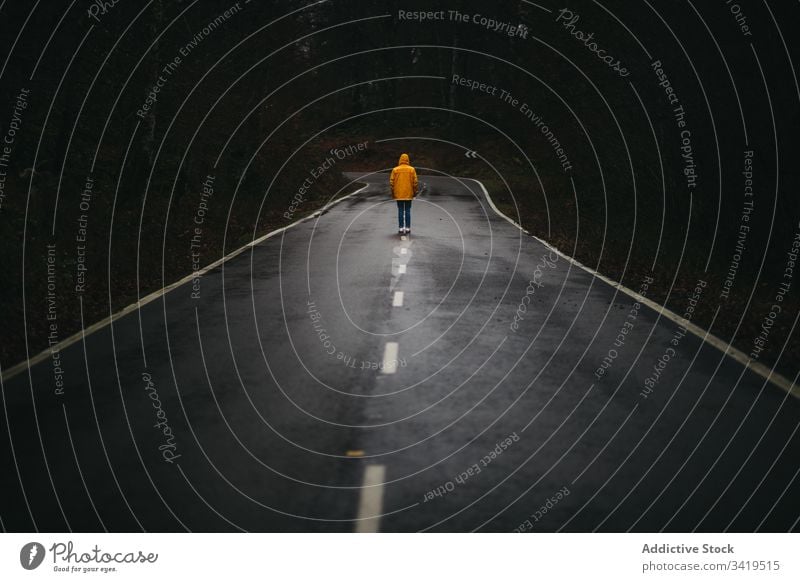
(337, 378)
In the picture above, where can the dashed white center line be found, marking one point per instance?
(398, 299)
(403, 251)
(401, 269)
(370, 505)
(390, 358)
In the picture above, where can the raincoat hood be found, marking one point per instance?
(403, 159)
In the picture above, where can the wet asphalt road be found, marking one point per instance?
(261, 404)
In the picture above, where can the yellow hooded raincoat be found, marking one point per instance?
(403, 180)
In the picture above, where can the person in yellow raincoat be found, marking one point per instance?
(403, 182)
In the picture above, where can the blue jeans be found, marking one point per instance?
(404, 213)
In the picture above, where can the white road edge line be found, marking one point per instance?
(370, 505)
(390, 357)
(398, 299)
(780, 381)
(76, 337)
